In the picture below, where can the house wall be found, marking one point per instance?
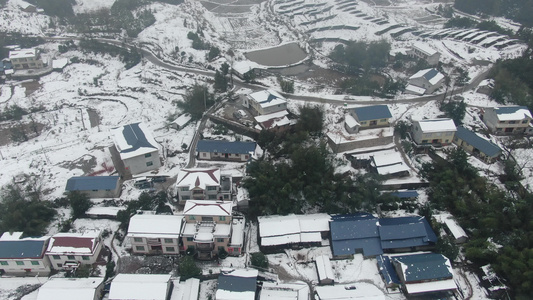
(26, 267)
(58, 261)
(222, 156)
(342, 147)
(259, 110)
(141, 163)
(490, 119)
(114, 193)
(470, 149)
(375, 122)
(424, 83)
(355, 129)
(141, 245)
(444, 137)
(27, 63)
(430, 59)
(185, 194)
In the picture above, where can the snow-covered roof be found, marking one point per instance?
(392, 169)
(182, 120)
(413, 89)
(267, 98)
(198, 178)
(323, 267)
(388, 158)
(482, 144)
(207, 231)
(59, 63)
(237, 235)
(431, 286)
(359, 290)
(431, 75)
(456, 230)
(134, 140)
(510, 113)
(103, 211)
(280, 230)
(74, 243)
(437, 125)
(186, 290)
(350, 121)
(278, 114)
(245, 66)
(284, 291)
(207, 208)
(240, 284)
(139, 287)
(155, 226)
(65, 288)
(11, 236)
(425, 48)
(486, 82)
(23, 53)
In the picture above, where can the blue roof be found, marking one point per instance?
(430, 74)
(232, 283)
(405, 194)
(90, 183)
(426, 266)
(225, 147)
(387, 270)
(135, 137)
(373, 112)
(13, 249)
(488, 148)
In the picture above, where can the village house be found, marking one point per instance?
(23, 256)
(64, 288)
(202, 184)
(265, 102)
(476, 145)
(68, 251)
(433, 131)
(155, 234)
(366, 117)
(508, 120)
(277, 121)
(238, 284)
(25, 59)
(284, 291)
(137, 148)
(181, 121)
(208, 228)
(140, 287)
(225, 150)
(389, 163)
(95, 186)
(425, 52)
(425, 82)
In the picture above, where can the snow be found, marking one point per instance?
(186, 290)
(323, 265)
(198, 178)
(22, 53)
(64, 288)
(279, 230)
(124, 146)
(441, 285)
(284, 291)
(91, 236)
(518, 114)
(86, 6)
(424, 48)
(139, 287)
(207, 208)
(437, 125)
(182, 120)
(360, 290)
(11, 236)
(59, 63)
(264, 98)
(155, 226)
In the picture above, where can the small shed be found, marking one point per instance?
(181, 121)
(324, 270)
(351, 124)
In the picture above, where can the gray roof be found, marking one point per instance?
(373, 112)
(430, 74)
(135, 137)
(90, 183)
(487, 147)
(13, 249)
(508, 109)
(225, 147)
(232, 283)
(427, 266)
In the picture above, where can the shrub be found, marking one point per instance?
(259, 260)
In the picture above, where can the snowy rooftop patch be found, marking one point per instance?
(357, 290)
(75, 243)
(284, 291)
(437, 125)
(23, 53)
(65, 288)
(139, 287)
(198, 178)
(186, 290)
(237, 285)
(267, 98)
(207, 208)
(279, 230)
(133, 140)
(59, 63)
(323, 266)
(155, 226)
(10, 236)
(456, 230)
(510, 113)
(425, 48)
(182, 120)
(431, 75)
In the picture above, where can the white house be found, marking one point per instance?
(298, 230)
(70, 250)
(202, 184)
(265, 102)
(425, 82)
(155, 234)
(25, 59)
(23, 256)
(140, 287)
(137, 148)
(64, 289)
(508, 120)
(434, 131)
(425, 52)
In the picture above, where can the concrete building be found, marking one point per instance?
(137, 148)
(366, 117)
(425, 82)
(140, 287)
(202, 184)
(433, 131)
(68, 251)
(476, 145)
(64, 288)
(23, 256)
(425, 52)
(265, 102)
(225, 150)
(95, 186)
(155, 234)
(25, 59)
(508, 120)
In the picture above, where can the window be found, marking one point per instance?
(169, 241)
(190, 248)
(524, 122)
(185, 197)
(226, 196)
(3, 263)
(363, 123)
(71, 257)
(204, 154)
(148, 164)
(192, 217)
(56, 256)
(212, 188)
(148, 155)
(498, 129)
(512, 122)
(221, 248)
(170, 249)
(189, 239)
(139, 248)
(34, 262)
(85, 258)
(138, 240)
(222, 218)
(220, 240)
(207, 219)
(424, 141)
(20, 263)
(212, 197)
(246, 156)
(184, 189)
(59, 265)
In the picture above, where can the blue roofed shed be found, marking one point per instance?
(474, 144)
(95, 186)
(372, 116)
(224, 150)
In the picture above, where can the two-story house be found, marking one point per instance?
(508, 120)
(208, 227)
(433, 131)
(367, 117)
(137, 148)
(23, 256)
(202, 184)
(155, 234)
(425, 82)
(425, 52)
(265, 102)
(25, 59)
(70, 250)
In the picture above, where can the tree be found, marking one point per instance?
(287, 86)
(311, 119)
(188, 268)
(221, 82)
(259, 260)
(455, 110)
(224, 68)
(213, 52)
(196, 101)
(79, 203)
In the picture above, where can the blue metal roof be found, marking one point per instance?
(387, 270)
(488, 148)
(426, 266)
(13, 249)
(405, 194)
(373, 112)
(225, 147)
(354, 229)
(419, 225)
(232, 283)
(135, 137)
(370, 246)
(430, 74)
(90, 183)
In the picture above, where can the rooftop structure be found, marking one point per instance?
(225, 147)
(65, 288)
(139, 287)
(155, 226)
(473, 143)
(207, 208)
(133, 140)
(95, 186)
(74, 243)
(198, 178)
(291, 229)
(284, 291)
(373, 112)
(237, 285)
